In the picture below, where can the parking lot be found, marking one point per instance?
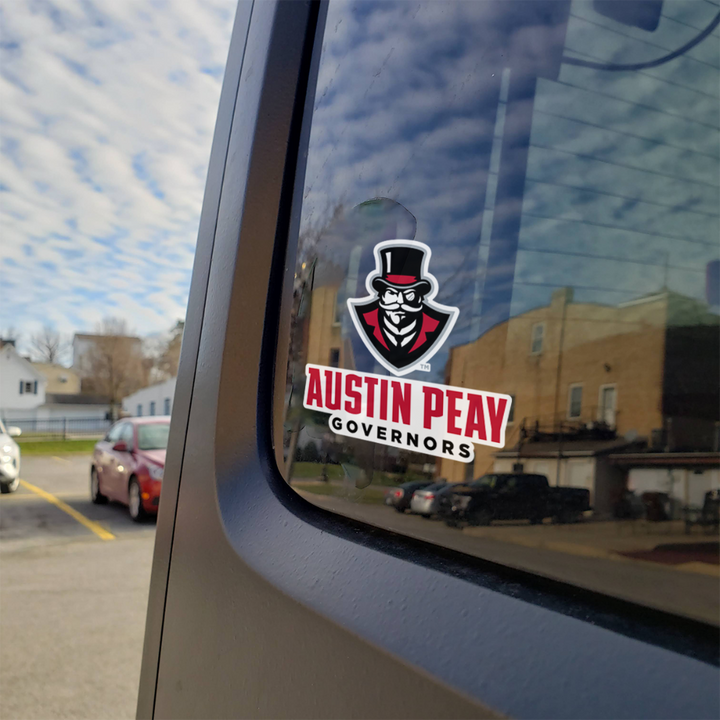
(75, 580)
(73, 597)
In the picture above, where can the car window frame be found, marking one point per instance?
(593, 639)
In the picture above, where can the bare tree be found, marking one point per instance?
(162, 353)
(114, 362)
(48, 345)
(170, 357)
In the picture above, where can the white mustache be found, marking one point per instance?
(396, 306)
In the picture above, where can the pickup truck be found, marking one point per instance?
(513, 496)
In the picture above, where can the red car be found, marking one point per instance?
(128, 465)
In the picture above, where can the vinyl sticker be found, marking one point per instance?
(439, 420)
(398, 321)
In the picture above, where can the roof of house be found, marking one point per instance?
(10, 350)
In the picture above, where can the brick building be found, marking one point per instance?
(644, 369)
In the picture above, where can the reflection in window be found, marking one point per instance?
(575, 406)
(536, 345)
(572, 214)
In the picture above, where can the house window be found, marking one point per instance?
(537, 334)
(575, 401)
(166, 409)
(337, 317)
(139, 410)
(152, 408)
(28, 388)
(334, 357)
(608, 404)
(511, 414)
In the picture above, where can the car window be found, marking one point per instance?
(153, 436)
(487, 224)
(115, 432)
(127, 435)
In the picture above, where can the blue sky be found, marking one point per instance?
(106, 119)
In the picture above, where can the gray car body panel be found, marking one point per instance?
(262, 605)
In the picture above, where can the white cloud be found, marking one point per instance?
(107, 116)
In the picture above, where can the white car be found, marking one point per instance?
(9, 459)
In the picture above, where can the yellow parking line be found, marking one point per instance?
(100, 531)
(59, 459)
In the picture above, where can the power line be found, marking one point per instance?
(637, 104)
(612, 258)
(623, 132)
(622, 229)
(628, 167)
(651, 63)
(621, 197)
(657, 78)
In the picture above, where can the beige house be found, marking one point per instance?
(60, 380)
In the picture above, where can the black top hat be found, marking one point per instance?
(402, 269)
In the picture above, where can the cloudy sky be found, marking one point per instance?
(107, 112)
(620, 195)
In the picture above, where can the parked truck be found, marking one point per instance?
(513, 496)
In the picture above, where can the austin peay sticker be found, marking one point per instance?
(403, 328)
(398, 321)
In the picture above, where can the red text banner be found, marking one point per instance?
(440, 420)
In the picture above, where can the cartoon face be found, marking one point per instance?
(398, 321)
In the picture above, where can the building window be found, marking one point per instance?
(511, 414)
(139, 410)
(608, 404)
(28, 388)
(152, 408)
(575, 401)
(337, 314)
(334, 357)
(537, 334)
(166, 409)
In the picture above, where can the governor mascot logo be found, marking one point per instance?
(398, 321)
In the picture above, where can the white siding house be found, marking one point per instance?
(22, 387)
(154, 400)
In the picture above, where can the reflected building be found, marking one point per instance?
(590, 381)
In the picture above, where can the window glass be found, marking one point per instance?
(153, 436)
(166, 408)
(128, 436)
(114, 435)
(507, 206)
(575, 409)
(139, 410)
(152, 408)
(537, 338)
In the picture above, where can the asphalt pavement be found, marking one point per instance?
(73, 595)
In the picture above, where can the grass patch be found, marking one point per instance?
(55, 447)
(314, 470)
(370, 495)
